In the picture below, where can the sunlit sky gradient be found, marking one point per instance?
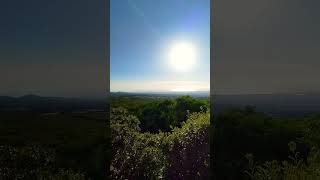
(141, 34)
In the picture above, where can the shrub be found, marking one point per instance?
(180, 154)
(32, 162)
(164, 113)
(24, 162)
(189, 155)
(158, 116)
(294, 169)
(135, 155)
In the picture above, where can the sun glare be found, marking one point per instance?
(182, 56)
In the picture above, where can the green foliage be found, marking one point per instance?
(24, 162)
(78, 140)
(135, 155)
(158, 115)
(238, 132)
(63, 174)
(311, 133)
(241, 131)
(131, 104)
(189, 155)
(294, 169)
(166, 113)
(33, 162)
(187, 103)
(182, 153)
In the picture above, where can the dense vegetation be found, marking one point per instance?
(154, 138)
(156, 114)
(55, 145)
(33, 162)
(160, 138)
(176, 145)
(251, 145)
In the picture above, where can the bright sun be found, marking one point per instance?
(182, 56)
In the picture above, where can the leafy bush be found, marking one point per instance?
(189, 154)
(32, 162)
(295, 169)
(180, 154)
(188, 103)
(163, 113)
(159, 115)
(26, 162)
(135, 155)
(311, 133)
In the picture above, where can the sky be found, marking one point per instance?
(266, 46)
(142, 35)
(58, 48)
(53, 48)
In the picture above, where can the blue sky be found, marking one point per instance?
(142, 31)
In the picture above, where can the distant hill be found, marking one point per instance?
(295, 104)
(198, 94)
(49, 104)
